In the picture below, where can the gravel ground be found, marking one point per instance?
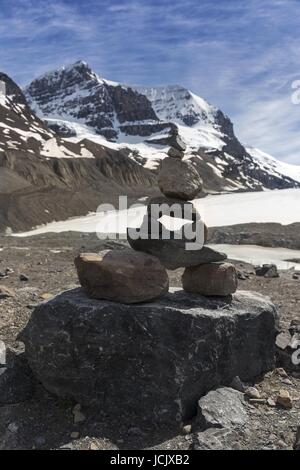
(47, 422)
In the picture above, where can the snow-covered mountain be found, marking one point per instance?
(78, 104)
(272, 165)
(74, 140)
(76, 93)
(44, 177)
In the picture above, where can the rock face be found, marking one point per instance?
(98, 103)
(221, 408)
(122, 276)
(211, 279)
(153, 360)
(179, 179)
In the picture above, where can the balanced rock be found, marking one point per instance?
(175, 153)
(122, 276)
(179, 179)
(166, 207)
(210, 279)
(176, 142)
(173, 248)
(173, 207)
(152, 360)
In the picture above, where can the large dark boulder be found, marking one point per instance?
(153, 360)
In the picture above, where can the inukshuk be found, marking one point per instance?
(139, 275)
(205, 273)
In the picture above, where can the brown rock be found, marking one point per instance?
(284, 399)
(122, 276)
(6, 292)
(210, 279)
(179, 179)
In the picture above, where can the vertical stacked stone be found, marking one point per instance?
(206, 271)
(172, 235)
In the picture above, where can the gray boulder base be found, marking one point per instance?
(153, 360)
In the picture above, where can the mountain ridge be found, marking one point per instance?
(207, 131)
(44, 177)
(65, 169)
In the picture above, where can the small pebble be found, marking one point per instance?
(252, 392)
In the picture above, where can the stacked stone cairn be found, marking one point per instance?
(152, 361)
(206, 271)
(139, 275)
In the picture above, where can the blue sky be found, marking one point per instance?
(241, 55)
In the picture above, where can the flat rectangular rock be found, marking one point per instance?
(152, 360)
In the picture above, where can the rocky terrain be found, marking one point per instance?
(268, 234)
(37, 268)
(71, 142)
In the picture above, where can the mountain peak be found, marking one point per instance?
(79, 66)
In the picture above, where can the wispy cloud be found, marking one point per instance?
(241, 55)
